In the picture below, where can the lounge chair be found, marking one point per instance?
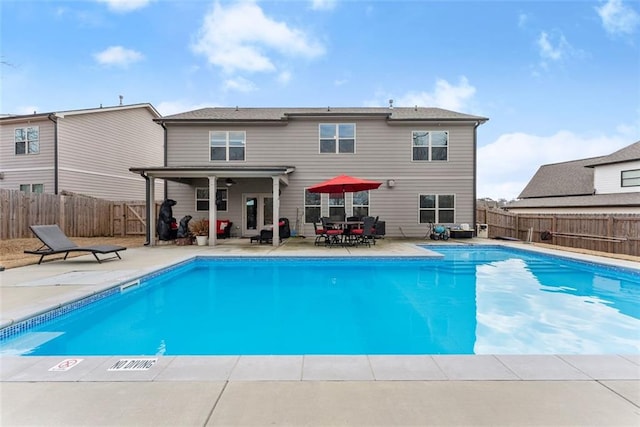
(266, 235)
(56, 242)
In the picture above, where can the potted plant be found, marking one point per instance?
(200, 229)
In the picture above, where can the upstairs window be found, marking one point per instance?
(430, 145)
(630, 178)
(436, 208)
(337, 138)
(228, 146)
(27, 140)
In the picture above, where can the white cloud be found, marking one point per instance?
(617, 18)
(125, 5)
(167, 108)
(118, 56)
(284, 77)
(506, 165)
(445, 95)
(241, 37)
(239, 84)
(553, 46)
(323, 4)
(523, 19)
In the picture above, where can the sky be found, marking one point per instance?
(558, 80)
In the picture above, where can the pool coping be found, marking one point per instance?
(328, 367)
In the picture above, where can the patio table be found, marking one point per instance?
(345, 226)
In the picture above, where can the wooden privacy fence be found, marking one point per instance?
(615, 233)
(77, 215)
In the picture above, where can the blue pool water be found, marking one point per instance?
(474, 300)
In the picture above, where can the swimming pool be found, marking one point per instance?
(473, 300)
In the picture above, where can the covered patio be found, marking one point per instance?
(189, 174)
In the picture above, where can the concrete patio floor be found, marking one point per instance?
(296, 390)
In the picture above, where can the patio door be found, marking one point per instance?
(257, 213)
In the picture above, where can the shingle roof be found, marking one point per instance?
(573, 178)
(283, 114)
(594, 200)
(626, 154)
(561, 179)
(63, 113)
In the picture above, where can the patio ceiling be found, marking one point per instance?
(185, 173)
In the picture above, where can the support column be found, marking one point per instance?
(151, 210)
(276, 210)
(213, 211)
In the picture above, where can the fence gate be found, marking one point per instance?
(129, 219)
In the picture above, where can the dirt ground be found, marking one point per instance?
(12, 251)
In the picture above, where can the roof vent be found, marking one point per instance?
(121, 98)
(391, 104)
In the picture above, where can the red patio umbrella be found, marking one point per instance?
(344, 184)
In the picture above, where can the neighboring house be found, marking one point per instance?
(605, 185)
(80, 151)
(258, 163)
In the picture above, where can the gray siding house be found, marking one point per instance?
(258, 163)
(80, 151)
(603, 185)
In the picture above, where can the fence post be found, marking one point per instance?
(610, 233)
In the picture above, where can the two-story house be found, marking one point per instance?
(602, 185)
(80, 151)
(251, 165)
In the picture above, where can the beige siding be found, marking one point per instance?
(31, 168)
(383, 152)
(97, 150)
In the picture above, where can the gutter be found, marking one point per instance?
(54, 119)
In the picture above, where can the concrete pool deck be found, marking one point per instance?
(296, 390)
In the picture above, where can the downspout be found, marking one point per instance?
(54, 119)
(475, 173)
(149, 201)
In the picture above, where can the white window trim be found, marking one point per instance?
(305, 205)
(227, 146)
(622, 178)
(26, 147)
(368, 205)
(195, 194)
(437, 208)
(31, 188)
(337, 151)
(429, 146)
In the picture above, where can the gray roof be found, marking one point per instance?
(626, 154)
(561, 179)
(574, 178)
(283, 114)
(594, 200)
(62, 113)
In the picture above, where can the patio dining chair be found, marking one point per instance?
(334, 235)
(365, 235)
(321, 234)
